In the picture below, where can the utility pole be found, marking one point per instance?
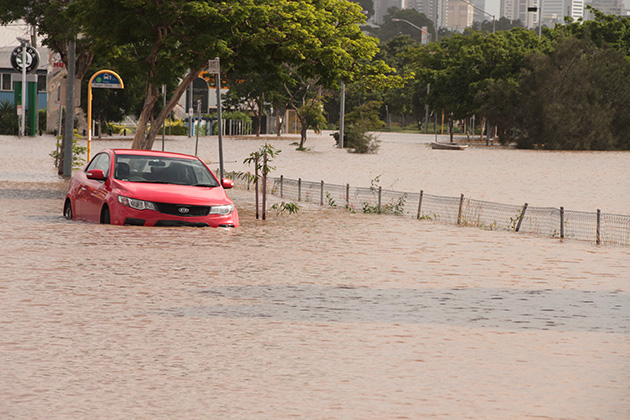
(68, 135)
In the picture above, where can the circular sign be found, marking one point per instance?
(32, 59)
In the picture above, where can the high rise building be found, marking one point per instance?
(478, 15)
(610, 7)
(553, 11)
(381, 7)
(459, 15)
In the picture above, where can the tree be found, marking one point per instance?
(367, 6)
(576, 98)
(168, 40)
(390, 29)
(311, 46)
(459, 67)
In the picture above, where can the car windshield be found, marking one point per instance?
(163, 170)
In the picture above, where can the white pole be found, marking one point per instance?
(23, 116)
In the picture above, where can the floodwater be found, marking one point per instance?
(323, 314)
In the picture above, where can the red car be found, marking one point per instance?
(149, 188)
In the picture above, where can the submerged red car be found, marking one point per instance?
(149, 188)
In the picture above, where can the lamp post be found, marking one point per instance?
(484, 12)
(424, 31)
(539, 10)
(426, 106)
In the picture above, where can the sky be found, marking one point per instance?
(493, 7)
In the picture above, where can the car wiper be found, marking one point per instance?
(204, 185)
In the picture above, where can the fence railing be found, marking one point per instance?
(597, 227)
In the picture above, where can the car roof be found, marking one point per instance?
(151, 153)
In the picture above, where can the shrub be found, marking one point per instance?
(9, 121)
(357, 139)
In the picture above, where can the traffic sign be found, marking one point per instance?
(32, 59)
(108, 80)
(214, 66)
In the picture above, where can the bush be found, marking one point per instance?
(357, 139)
(42, 116)
(9, 121)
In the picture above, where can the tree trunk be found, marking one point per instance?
(145, 141)
(280, 121)
(259, 119)
(303, 128)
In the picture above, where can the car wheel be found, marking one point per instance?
(67, 210)
(105, 219)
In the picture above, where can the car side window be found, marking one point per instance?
(100, 161)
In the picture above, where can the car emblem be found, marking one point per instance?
(183, 210)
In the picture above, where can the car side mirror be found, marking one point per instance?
(227, 183)
(97, 174)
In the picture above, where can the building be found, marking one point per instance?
(11, 79)
(381, 7)
(459, 15)
(553, 11)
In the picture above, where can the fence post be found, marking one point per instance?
(347, 195)
(420, 204)
(281, 186)
(562, 222)
(599, 226)
(299, 189)
(520, 219)
(459, 213)
(321, 194)
(380, 191)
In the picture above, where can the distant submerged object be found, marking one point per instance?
(448, 146)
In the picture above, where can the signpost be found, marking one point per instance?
(25, 59)
(101, 79)
(214, 67)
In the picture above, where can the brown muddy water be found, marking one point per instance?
(319, 315)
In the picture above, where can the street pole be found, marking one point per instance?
(540, 19)
(23, 115)
(219, 117)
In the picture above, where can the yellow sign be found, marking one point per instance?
(101, 79)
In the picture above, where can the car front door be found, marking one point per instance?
(94, 191)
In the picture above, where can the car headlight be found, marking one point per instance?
(222, 210)
(136, 204)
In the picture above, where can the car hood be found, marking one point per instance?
(175, 194)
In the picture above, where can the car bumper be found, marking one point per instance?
(129, 216)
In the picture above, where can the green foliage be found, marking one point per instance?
(330, 201)
(42, 115)
(395, 207)
(390, 29)
(576, 98)
(9, 121)
(77, 151)
(357, 139)
(262, 167)
(290, 207)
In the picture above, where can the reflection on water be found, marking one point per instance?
(323, 314)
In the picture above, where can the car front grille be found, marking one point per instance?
(183, 210)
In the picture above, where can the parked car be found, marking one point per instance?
(149, 188)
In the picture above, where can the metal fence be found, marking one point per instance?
(598, 227)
